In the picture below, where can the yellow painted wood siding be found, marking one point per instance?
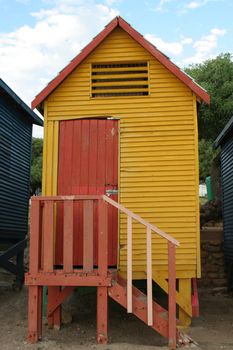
(158, 151)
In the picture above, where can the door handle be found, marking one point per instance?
(111, 192)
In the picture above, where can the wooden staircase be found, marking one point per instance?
(118, 292)
(62, 280)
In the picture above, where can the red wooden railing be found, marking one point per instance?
(43, 235)
(172, 243)
(42, 268)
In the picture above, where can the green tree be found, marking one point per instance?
(216, 76)
(206, 156)
(36, 164)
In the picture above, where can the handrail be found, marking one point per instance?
(141, 220)
(66, 198)
(172, 243)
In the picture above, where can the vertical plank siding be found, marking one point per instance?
(88, 162)
(15, 158)
(158, 152)
(227, 193)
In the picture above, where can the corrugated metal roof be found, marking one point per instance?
(5, 89)
(223, 134)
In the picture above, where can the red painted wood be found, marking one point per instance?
(171, 295)
(57, 313)
(54, 318)
(90, 169)
(66, 198)
(35, 236)
(88, 236)
(59, 278)
(59, 299)
(68, 236)
(118, 292)
(102, 315)
(48, 239)
(40, 315)
(118, 21)
(195, 299)
(34, 313)
(103, 238)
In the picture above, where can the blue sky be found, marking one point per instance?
(39, 37)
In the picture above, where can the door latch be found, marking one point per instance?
(111, 192)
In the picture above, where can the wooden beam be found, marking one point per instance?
(62, 279)
(129, 265)
(59, 299)
(102, 315)
(48, 239)
(102, 238)
(35, 236)
(34, 314)
(88, 236)
(171, 295)
(68, 236)
(149, 278)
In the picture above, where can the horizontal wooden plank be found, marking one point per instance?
(160, 263)
(59, 278)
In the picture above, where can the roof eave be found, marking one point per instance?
(24, 107)
(74, 63)
(118, 21)
(223, 134)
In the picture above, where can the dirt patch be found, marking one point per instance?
(213, 330)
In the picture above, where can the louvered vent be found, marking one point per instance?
(119, 79)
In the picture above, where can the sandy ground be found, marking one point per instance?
(213, 330)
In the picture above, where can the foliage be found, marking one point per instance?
(216, 76)
(206, 156)
(36, 165)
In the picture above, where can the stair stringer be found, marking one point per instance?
(118, 292)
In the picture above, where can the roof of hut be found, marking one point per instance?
(16, 100)
(120, 22)
(224, 134)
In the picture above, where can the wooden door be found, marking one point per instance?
(88, 164)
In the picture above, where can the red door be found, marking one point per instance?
(88, 164)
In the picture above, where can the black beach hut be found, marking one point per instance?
(16, 120)
(225, 141)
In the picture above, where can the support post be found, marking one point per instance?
(149, 277)
(185, 290)
(54, 319)
(88, 225)
(34, 313)
(103, 238)
(102, 315)
(171, 295)
(129, 266)
(35, 292)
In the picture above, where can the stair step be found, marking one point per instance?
(118, 292)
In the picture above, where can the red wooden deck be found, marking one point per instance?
(62, 279)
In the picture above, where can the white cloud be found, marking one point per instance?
(192, 5)
(161, 5)
(204, 48)
(32, 55)
(171, 48)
